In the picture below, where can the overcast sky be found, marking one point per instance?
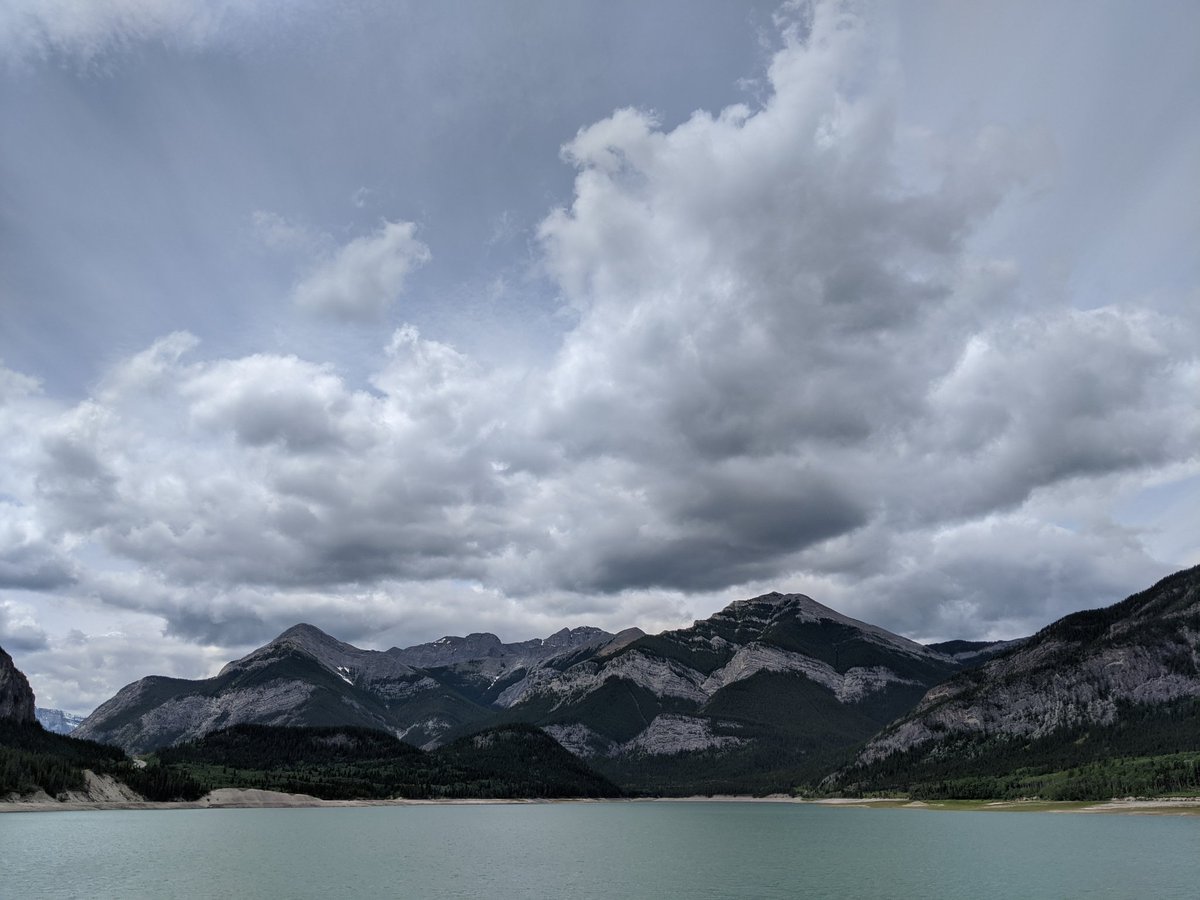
(408, 319)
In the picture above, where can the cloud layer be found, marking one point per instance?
(85, 29)
(789, 366)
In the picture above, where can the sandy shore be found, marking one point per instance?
(236, 798)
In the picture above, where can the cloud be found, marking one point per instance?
(279, 233)
(789, 365)
(1001, 576)
(364, 277)
(84, 667)
(19, 631)
(28, 561)
(88, 28)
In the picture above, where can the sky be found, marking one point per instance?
(410, 319)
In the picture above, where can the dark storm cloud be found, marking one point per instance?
(18, 633)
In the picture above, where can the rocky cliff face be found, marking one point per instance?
(1082, 670)
(16, 696)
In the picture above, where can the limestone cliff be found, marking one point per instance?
(16, 696)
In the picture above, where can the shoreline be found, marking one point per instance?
(237, 798)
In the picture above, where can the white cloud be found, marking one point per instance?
(364, 277)
(279, 233)
(791, 368)
(88, 28)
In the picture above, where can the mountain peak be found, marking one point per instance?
(763, 611)
(304, 630)
(310, 637)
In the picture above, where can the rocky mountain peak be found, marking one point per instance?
(306, 635)
(758, 618)
(313, 640)
(16, 696)
(335, 655)
(572, 637)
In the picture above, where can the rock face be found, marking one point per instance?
(16, 696)
(57, 720)
(1082, 670)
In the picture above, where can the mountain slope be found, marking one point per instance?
(346, 762)
(1120, 680)
(305, 677)
(764, 686)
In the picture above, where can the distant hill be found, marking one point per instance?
(57, 720)
(1101, 702)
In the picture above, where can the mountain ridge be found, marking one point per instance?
(1082, 681)
(777, 676)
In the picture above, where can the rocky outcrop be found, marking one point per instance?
(661, 677)
(671, 733)
(1079, 671)
(16, 696)
(850, 686)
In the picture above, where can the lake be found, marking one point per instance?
(582, 850)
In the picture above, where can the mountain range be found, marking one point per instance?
(769, 693)
(767, 686)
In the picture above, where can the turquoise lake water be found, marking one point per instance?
(585, 850)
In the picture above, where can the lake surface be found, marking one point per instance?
(582, 850)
